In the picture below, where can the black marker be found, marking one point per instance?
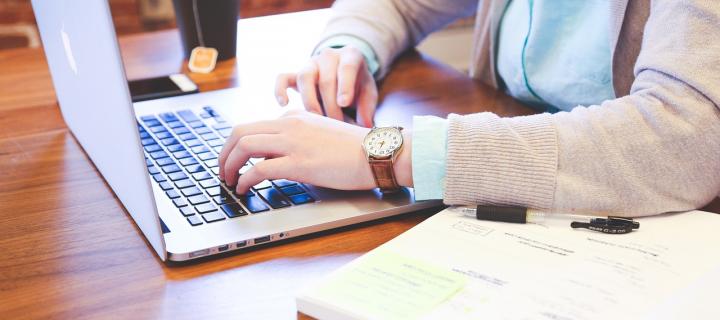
(609, 225)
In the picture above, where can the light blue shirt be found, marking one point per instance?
(553, 55)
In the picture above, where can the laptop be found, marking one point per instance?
(160, 156)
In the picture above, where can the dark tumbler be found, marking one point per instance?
(217, 24)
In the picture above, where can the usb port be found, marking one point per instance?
(241, 244)
(262, 239)
(198, 253)
(223, 248)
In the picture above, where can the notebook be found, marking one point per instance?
(454, 267)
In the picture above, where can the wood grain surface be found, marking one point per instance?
(70, 250)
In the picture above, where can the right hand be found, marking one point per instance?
(341, 79)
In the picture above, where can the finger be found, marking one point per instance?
(253, 146)
(348, 72)
(282, 83)
(367, 100)
(307, 86)
(260, 127)
(269, 169)
(328, 87)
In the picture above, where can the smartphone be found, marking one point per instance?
(161, 87)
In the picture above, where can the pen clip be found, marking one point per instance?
(609, 225)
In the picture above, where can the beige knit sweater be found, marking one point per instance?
(654, 149)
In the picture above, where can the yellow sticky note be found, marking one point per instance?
(387, 285)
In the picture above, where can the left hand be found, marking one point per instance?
(303, 147)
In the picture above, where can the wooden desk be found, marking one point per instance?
(70, 250)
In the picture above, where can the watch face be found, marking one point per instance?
(382, 142)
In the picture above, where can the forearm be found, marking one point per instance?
(391, 26)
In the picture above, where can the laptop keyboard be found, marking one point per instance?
(181, 150)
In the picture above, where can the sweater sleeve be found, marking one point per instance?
(391, 26)
(656, 150)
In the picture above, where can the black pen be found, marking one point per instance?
(609, 225)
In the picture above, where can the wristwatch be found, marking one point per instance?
(382, 145)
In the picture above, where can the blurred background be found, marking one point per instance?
(17, 24)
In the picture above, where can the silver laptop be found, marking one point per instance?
(160, 156)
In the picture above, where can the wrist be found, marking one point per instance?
(403, 162)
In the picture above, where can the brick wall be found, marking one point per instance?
(17, 23)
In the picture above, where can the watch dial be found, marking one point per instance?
(383, 142)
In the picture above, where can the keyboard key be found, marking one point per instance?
(196, 124)
(181, 154)
(253, 203)
(212, 163)
(168, 141)
(209, 183)
(195, 168)
(184, 183)
(188, 161)
(158, 154)
(168, 116)
(147, 141)
(181, 130)
(225, 132)
(205, 208)
(180, 202)
(148, 118)
(233, 210)
(301, 198)
(202, 130)
(213, 216)
(262, 185)
(200, 149)
(175, 124)
(223, 198)
(219, 126)
(274, 198)
(170, 168)
(152, 148)
(165, 186)
(244, 169)
(199, 199)
(218, 149)
(214, 191)
(216, 143)
(153, 170)
(175, 148)
(206, 155)
(194, 220)
(284, 183)
(163, 135)
(159, 177)
(187, 211)
(208, 136)
(187, 136)
(165, 161)
(144, 134)
(177, 176)
(148, 162)
(204, 175)
(172, 194)
(215, 171)
(193, 143)
(152, 122)
(192, 191)
(187, 115)
(157, 129)
(291, 190)
(205, 115)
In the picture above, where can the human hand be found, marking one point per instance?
(341, 79)
(304, 147)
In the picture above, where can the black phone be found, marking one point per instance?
(161, 87)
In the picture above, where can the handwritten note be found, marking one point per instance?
(387, 285)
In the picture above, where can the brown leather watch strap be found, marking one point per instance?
(384, 174)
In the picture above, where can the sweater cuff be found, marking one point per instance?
(343, 40)
(501, 161)
(429, 143)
